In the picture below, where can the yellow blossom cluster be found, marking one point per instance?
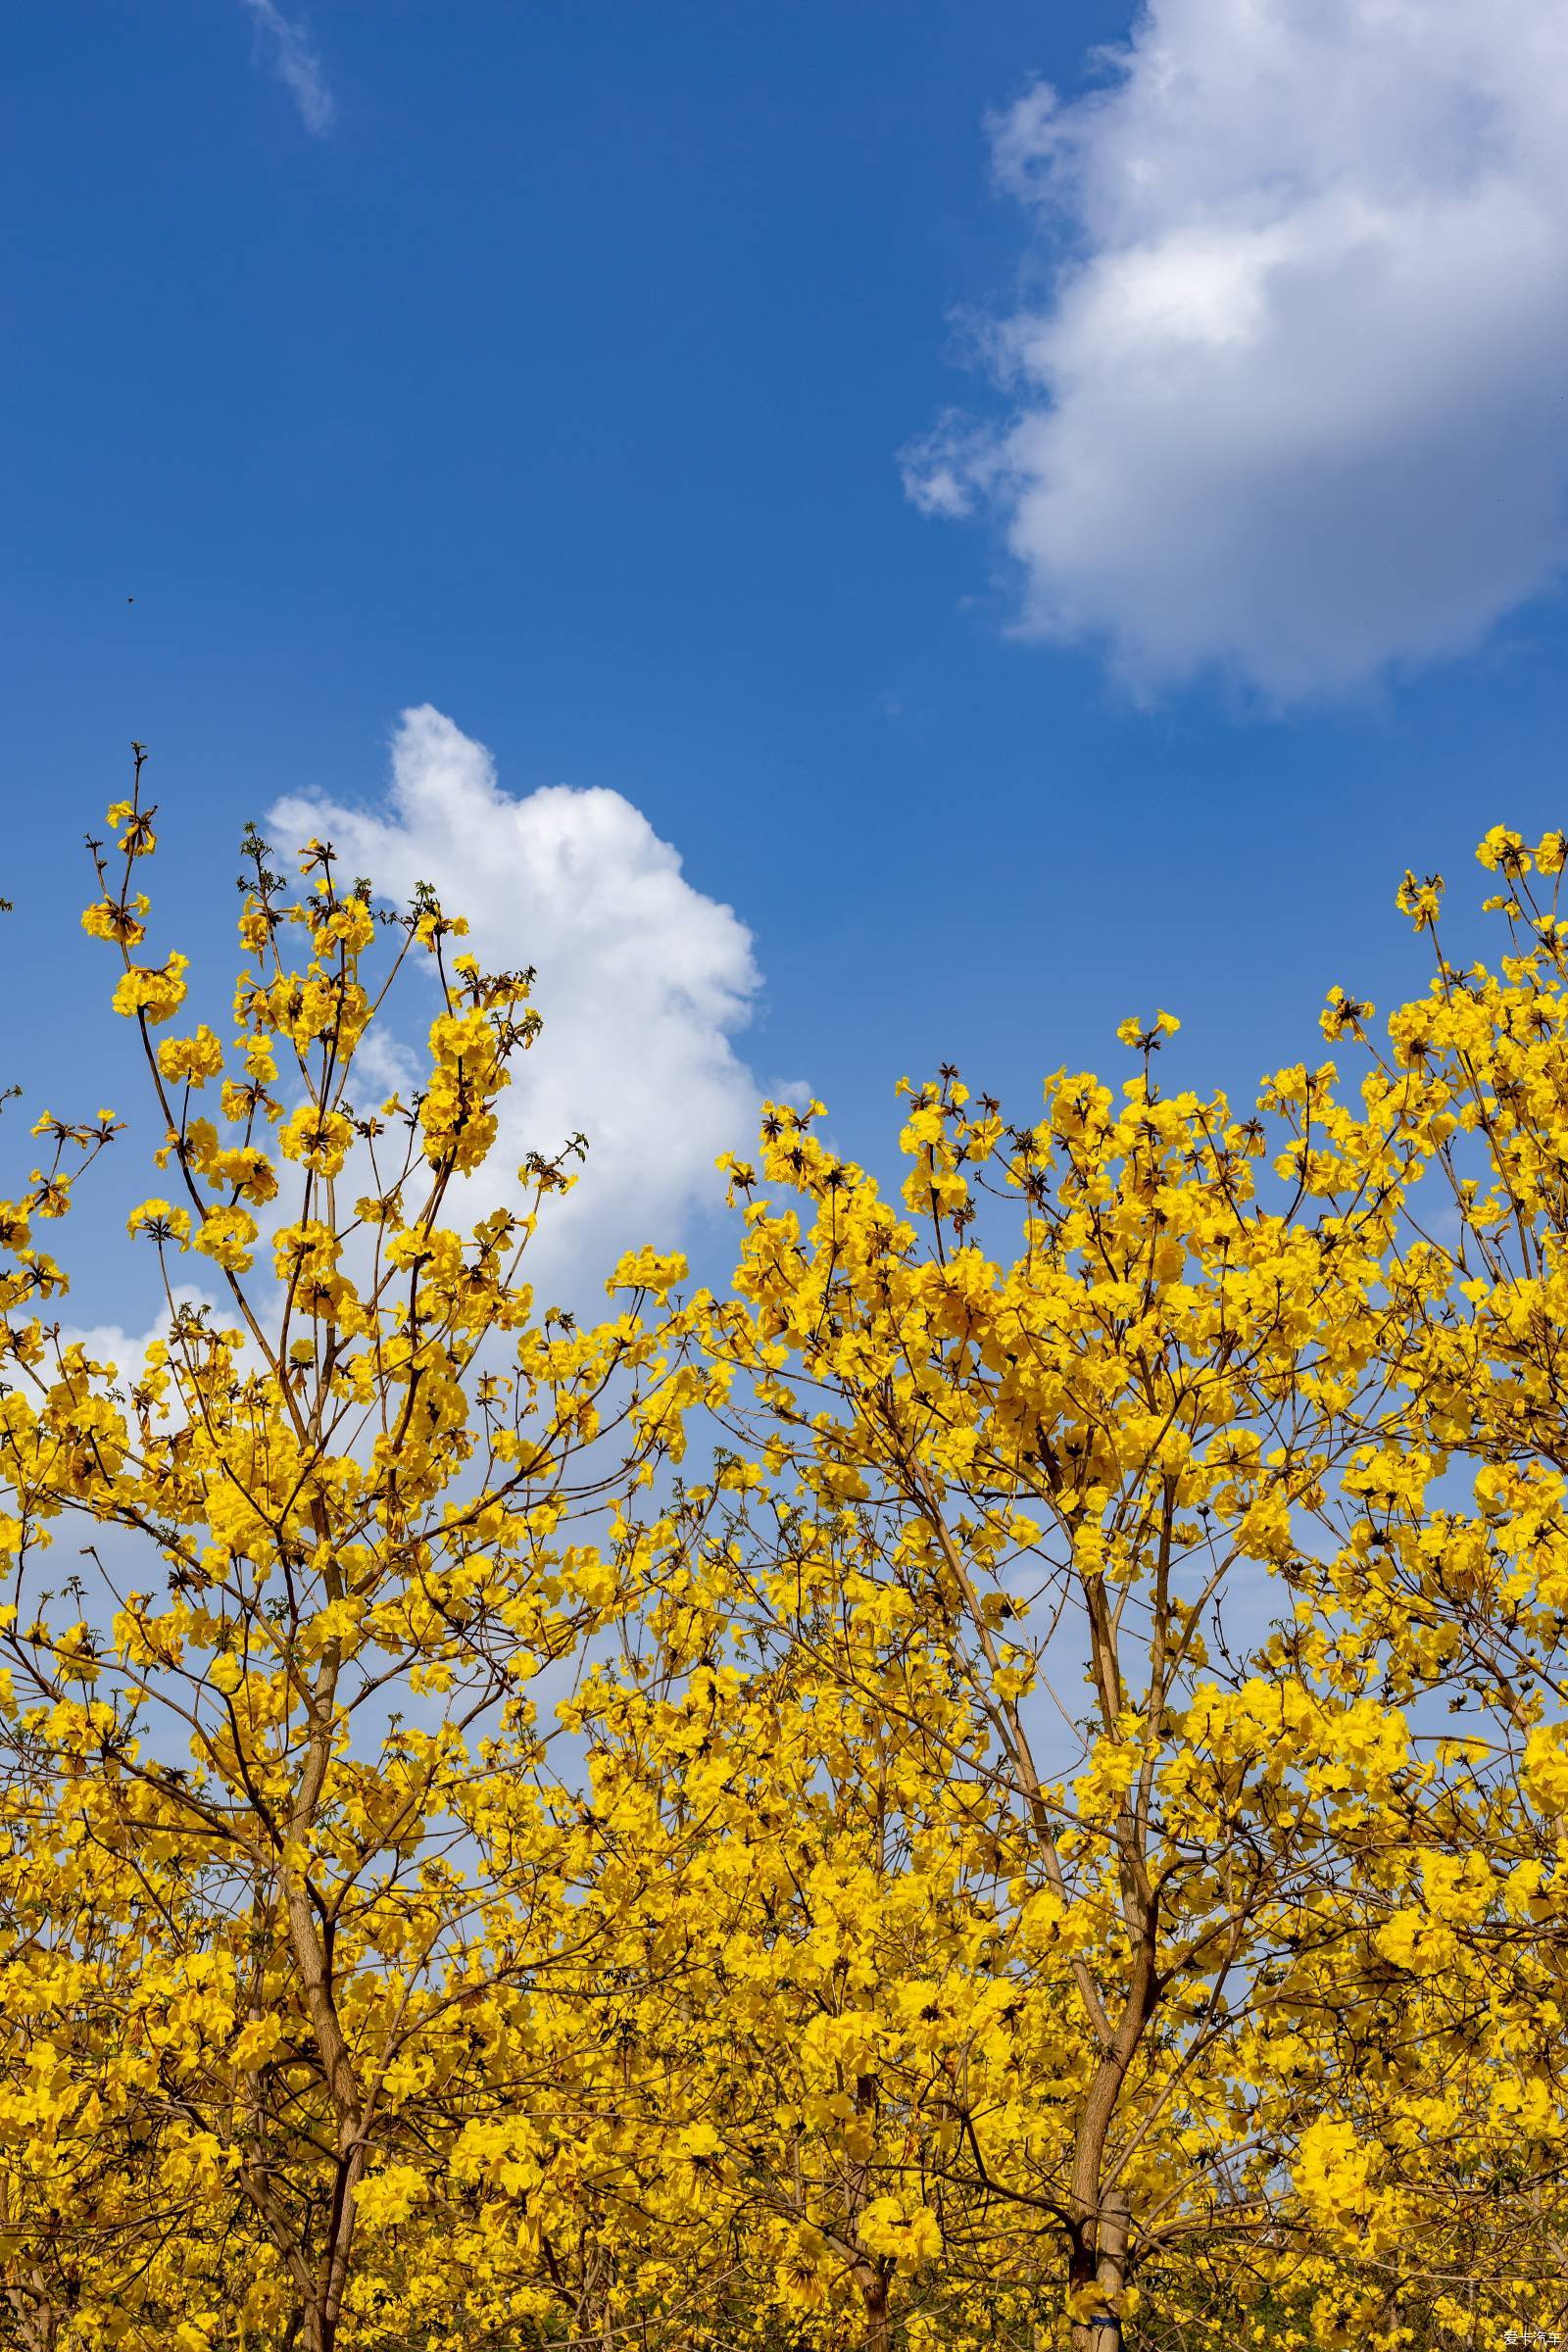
(1000, 1780)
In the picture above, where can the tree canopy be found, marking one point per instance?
(999, 1778)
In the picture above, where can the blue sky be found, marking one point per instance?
(1029, 560)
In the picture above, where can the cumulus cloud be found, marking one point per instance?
(293, 59)
(642, 980)
(1291, 402)
(126, 1350)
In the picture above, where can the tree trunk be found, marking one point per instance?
(37, 2318)
(1105, 2264)
(873, 2286)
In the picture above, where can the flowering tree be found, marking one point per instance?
(977, 1487)
(907, 1803)
(337, 1523)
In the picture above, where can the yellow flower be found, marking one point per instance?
(138, 839)
(191, 1060)
(648, 1270)
(907, 2230)
(386, 2198)
(161, 1220)
(350, 926)
(226, 1235)
(317, 1138)
(1501, 847)
(1545, 1767)
(156, 993)
(120, 920)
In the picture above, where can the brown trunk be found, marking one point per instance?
(323, 2311)
(309, 1952)
(873, 2286)
(319, 2333)
(1101, 2217)
(1103, 2262)
(37, 2318)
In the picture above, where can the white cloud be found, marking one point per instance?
(642, 980)
(1293, 402)
(292, 57)
(112, 1343)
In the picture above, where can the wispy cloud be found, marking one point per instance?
(1290, 403)
(292, 58)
